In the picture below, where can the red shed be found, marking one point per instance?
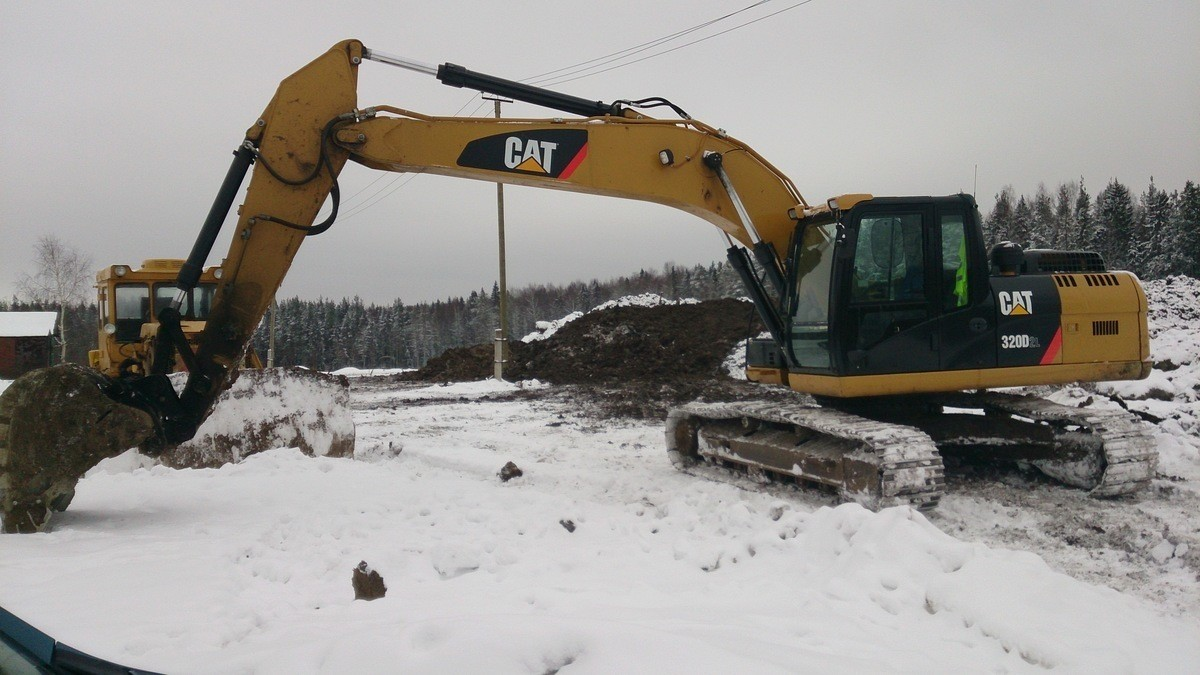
(26, 342)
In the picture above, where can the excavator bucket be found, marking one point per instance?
(55, 424)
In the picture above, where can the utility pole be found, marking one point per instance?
(271, 334)
(501, 339)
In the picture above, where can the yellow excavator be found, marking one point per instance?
(890, 311)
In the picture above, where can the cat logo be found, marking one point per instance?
(1015, 303)
(532, 155)
(549, 153)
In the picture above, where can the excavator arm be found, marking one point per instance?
(294, 152)
(313, 126)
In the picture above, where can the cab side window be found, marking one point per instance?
(954, 262)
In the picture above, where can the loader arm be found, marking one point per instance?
(313, 126)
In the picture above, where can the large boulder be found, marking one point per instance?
(271, 408)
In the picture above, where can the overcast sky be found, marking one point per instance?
(119, 118)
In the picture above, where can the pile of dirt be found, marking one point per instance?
(662, 344)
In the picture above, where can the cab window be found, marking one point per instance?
(888, 259)
(133, 309)
(163, 295)
(202, 301)
(954, 261)
(196, 305)
(810, 316)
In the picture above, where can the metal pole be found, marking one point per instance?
(271, 333)
(502, 333)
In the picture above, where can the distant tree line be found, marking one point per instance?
(329, 334)
(1156, 234)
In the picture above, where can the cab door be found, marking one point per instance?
(963, 302)
(888, 320)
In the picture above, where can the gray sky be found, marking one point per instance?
(120, 117)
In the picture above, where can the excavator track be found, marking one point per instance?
(877, 464)
(1107, 452)
(887, 452)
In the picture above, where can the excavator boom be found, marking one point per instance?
(313, 126)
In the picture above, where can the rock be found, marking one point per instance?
(568, 525)
(368, 585)
(510, 471)
(1162, 552)
(267, 409)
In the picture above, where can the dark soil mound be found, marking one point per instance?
(660, 344)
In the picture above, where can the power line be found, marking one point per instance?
(677, 48)
(617, 55)
(581, 70)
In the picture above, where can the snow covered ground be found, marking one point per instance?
(602, 558)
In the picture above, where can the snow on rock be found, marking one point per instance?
(544, 329)
(271, 408)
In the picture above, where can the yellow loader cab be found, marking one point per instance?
(130, 299)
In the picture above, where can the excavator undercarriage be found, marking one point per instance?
(885, 452)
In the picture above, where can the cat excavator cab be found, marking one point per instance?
(885, 309)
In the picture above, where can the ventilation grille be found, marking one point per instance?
(1043, 261)
(1104, 327)
(1065, 281)
(1102, 280)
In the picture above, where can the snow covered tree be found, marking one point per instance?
(1156, 222)
(1184, 242)
(1064, 217)
(1021, 231)
(999, 223)
(1083, 238)
(1043, 230)
(1115, 225)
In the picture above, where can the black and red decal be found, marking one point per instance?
(1052, 351)
(1028, 320)
(554, 153)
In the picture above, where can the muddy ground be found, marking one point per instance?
(635, 361)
